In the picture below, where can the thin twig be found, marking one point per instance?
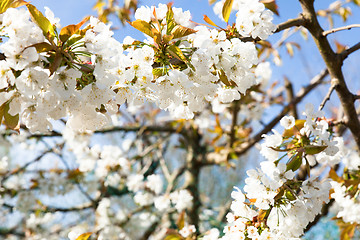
(296, 22)
(327, 97)
(325, 33)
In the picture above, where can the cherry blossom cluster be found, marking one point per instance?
(348, 204)
(86, 75)
(347, 190)
(272, 207)
(277, 205)
(305, 138)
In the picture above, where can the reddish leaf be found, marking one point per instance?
(68, 31)
(209, 21)
(84, 236)
(42, 47)
(181, 31)
(143, 26)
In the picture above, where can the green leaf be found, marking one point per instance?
(68, 31)
(158, 72)
(226, 10)
(9, 120)
(295, 162)
(170, 20)
(181, 31)
(181, 220)
(167, 38)
(311, 150)
(74, 39)
(173, 237)
(224, 78)
(289, 195)
(18, 3)
(299, 124)
(2, 111)
(6, 4)
(84, 236)
(42, 22)
(143, 26)
(177, 53)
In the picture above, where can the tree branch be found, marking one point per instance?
(349, 51)
(51, 209)
(296, 22)
(333, 63)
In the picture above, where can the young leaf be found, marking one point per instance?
(333, 175)
(158, 72)
(9, 120)
(84, 236)
(263, 214)
(299, 124)
(42, 47)
(307, 167)
(209, 21)
(170, 20)
(357, 2)
(347, 230)
(173, 237)
(177, 53)
(56, 63)
(17, 3)
(68, 31)
(225, 80)
(181, 220)
(6, 4)
(2, 111)
(295, 162)
(181, 31)
(42, 22)
(226, 10)
(311, 150)
(289, 195)
(156, 35)
(143, 26)
(167, 38)
(271, 5)
(289, 49)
